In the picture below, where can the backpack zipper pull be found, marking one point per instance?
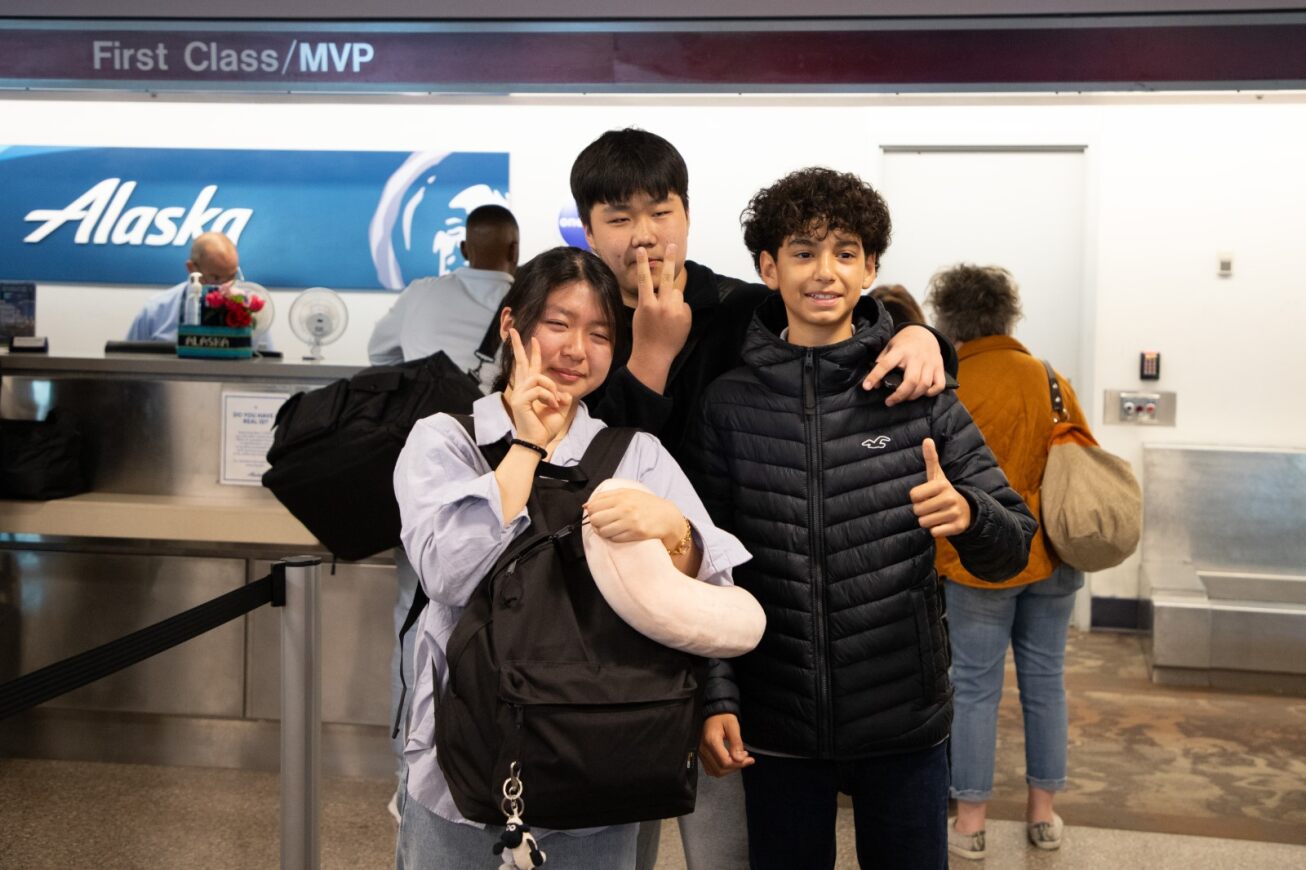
(509, 593)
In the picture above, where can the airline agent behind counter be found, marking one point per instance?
(214, 256)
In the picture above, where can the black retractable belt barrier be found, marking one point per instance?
(72, 673)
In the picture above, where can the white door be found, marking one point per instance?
(1019, 208)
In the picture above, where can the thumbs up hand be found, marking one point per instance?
(937, 504)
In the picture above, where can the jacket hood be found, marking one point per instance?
(779, 364)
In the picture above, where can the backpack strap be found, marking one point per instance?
(420, 599)
(489, 346)
(1058, 405)
(604, 454)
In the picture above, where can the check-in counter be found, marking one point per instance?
(171, 521)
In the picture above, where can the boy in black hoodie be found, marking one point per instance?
(839, 498)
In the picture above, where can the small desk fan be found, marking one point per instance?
(318, 316)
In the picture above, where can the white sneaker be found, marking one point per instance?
(393, 807)
(1046, 835)
(965, 845)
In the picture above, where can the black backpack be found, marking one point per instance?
(334, 449)
(602, 722)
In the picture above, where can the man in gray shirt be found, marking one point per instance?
(452, 312)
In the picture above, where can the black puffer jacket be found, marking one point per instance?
(812, 473)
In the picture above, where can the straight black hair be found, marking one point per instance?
(622, 163)
(539, 277)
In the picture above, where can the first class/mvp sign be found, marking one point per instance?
(857, 55)
(211, 56)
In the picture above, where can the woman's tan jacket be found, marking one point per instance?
(1006, 391)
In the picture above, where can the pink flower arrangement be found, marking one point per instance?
(230, 309)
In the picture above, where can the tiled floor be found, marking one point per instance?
(1082, 849)
(1150, 758)
(1148, 764)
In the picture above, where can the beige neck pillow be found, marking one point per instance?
(641, 584)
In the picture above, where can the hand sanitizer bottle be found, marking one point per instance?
(191, 313)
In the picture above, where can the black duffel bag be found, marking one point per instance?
(334, 449)
(42, 459)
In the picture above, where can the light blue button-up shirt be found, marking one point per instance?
(454, 531)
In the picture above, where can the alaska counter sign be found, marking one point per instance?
(345, 219)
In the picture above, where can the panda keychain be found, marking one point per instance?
(516, 847)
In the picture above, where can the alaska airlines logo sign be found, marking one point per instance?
(350, 220)
(102, 216)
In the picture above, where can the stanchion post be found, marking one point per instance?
(301, 714)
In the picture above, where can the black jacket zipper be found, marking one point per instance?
(816, 548)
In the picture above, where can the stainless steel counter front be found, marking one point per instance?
(152, 423)
(158, 534)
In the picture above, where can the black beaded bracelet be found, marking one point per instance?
(544, 454)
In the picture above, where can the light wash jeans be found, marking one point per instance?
(428, 842)
(714, 835)
(406, 577)
(1034, 620)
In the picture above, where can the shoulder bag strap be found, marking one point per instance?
(1058, 406)
(488, 348)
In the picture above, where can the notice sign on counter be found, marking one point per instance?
(247, 420)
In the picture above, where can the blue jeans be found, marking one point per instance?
(900, 810)
(1033, 620)
(429, 842)
(402, 658)
(714, 836)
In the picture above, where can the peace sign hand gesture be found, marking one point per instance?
(661, 323)
(539, 409)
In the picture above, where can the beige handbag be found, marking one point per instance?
(1092, 505)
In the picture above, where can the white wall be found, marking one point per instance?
(1172, 182)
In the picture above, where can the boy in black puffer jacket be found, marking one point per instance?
(839, 499)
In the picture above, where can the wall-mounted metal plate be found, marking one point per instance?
(1156, 408)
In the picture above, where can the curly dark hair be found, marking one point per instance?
(816, 200)
(972, 301)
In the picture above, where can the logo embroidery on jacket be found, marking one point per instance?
(879, 442)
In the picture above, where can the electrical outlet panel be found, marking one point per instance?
(1145, 408)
